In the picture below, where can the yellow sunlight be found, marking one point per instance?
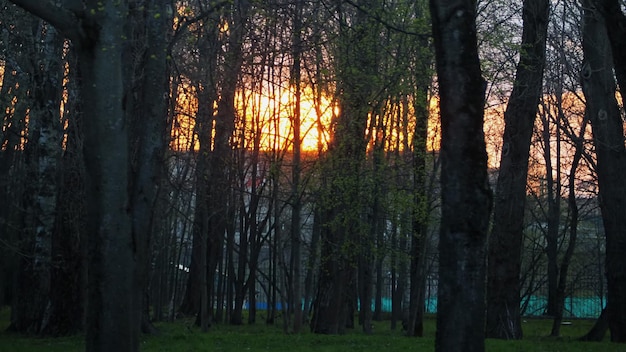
(272, 116)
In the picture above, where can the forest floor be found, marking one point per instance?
(182, 336)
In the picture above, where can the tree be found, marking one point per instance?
(220, 160)
(465, 194)
(296, 198)
(201, 71)
(146, 85)
(116, 213)
(43, 150)
(505, 242)
(215, 119)
(608, 132)
(69, 248)
(320, 89)
(572, 203)
(357, 68)
(97, 35)
(615, 23)
(421, 192)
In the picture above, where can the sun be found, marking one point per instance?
(266, 115)
(276, 125)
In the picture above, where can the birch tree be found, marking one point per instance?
(97, 32)
(43, 151)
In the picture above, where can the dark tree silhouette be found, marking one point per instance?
(608, 133)
(505, 242)
(465, 194)
(341, 226)
(119, 194)
(615, 22)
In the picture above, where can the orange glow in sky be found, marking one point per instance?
(272, 116)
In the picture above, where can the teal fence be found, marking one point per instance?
(575, 307)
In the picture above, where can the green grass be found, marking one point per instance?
(182, 336)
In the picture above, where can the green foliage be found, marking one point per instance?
(182, 336)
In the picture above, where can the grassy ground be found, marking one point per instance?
(182, 336)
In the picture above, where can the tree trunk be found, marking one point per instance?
(553, 198)
(43, 155)
(239, 272)
(607, 126)
(372, 235)
(97, 31)
(311, 266)
(341, 222)
(193, 301)
(465, 195)
(296, 199)
(69, 281)
(615, 22)
(599, 329)
(329, 300)
(111, 321)
(420, 217)
(415, 323)
(573, 231)
(380, 282)
(147, 114)
(380, 277)
(398, 273)
(221, 156)
(364, 282)
(274, 245)
(505, 242)
(14, 105)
